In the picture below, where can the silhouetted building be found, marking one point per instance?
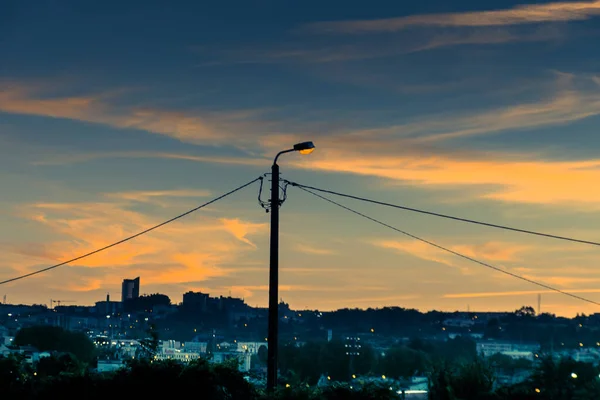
(108, 307)
(130, 289)
(195, 301)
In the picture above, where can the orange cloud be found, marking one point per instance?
(240, 230)
(209, 128)
(84, 285)
(535, 182)
(521, 14)
(150, 196)
(161, 257)
(495, 251)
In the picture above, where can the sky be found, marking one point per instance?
(115, 116)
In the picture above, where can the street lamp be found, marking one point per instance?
(273, 339)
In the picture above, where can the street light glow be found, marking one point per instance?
(304, 147)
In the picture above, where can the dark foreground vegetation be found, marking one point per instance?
(64, 377)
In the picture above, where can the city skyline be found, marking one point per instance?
(484, 111)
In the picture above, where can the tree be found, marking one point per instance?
(56, 365)
(403, 362)
(565, 379)
(439, 382)
(492, 329)
(525, 311)
(472, 380)
(53, 338)
(303, 364)
(13, 375)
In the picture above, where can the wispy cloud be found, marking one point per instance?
(421, 250)
(372, 301)
(512, 293)
(63, 159)
(309, 249)
(494, 251)
(206, 128)
(241, 229)
(487, 251)
(565, 107)
(562, 107)
(336, 52)
(521, 14)
(154, 195)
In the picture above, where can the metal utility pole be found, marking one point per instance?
(273, 335)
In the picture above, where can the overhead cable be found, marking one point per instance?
(484, 264)
(436, 214)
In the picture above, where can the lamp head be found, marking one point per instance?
(304, 147)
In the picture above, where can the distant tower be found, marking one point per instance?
(107, 297)
(539, 310)
(130, 289)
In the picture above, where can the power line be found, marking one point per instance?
(130, 237)
(435, 214)
(449, 250)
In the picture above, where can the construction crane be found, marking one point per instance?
(58, 302)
